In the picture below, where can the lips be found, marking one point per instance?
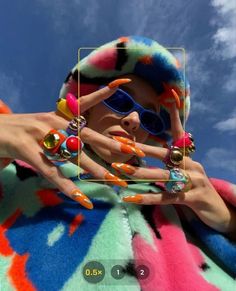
(121, 133)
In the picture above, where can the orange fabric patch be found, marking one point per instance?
(5, 248)
(75, 223)
(147, 60)
(178, 64)
(124, 39)
(18, 274)
(49, 197)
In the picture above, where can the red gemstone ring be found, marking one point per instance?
(59, 146)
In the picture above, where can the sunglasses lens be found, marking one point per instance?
(152, 122)
(120, 102)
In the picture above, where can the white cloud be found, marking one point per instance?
(228, 125)
(196, 63)
(199, 76)
(10, 92)
(225, 36)
(221, 159)
(230, 82)
(73, 13)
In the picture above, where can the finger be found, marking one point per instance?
(142, 173)
(161, 153)
(98, 171)
(88, 101)
(35, 157)
(162, 198)
(176, 125)
(91, 137)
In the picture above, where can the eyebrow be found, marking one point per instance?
(132, 93)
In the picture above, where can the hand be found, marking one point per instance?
(202, 198)
(20, 135)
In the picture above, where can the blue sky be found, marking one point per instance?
(40, 40)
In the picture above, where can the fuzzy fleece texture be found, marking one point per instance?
(136, 55)
(46, 238)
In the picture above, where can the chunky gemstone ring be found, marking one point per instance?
(179, 181)
(186, 144)
(173, 158)
(76, 124)
(59, 146)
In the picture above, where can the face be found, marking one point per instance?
(104, 121)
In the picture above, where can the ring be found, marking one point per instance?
(59, 146)
(186, 144)
(179, 181)
(174, 157)
(76, 124)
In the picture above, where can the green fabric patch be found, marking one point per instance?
(55, 234)
(217, 276)
(5, 264)
(109, 249)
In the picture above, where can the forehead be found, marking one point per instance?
(141, 91)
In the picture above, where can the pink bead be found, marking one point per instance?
(72, 103)
(184, 141)
(73, 144)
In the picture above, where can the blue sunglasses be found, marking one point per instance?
(122, 103)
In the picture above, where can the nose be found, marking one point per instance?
(131, 122)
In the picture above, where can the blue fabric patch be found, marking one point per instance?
(141, 39)
(55, 263)
(218, 244)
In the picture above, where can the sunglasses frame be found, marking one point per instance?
(136, 107)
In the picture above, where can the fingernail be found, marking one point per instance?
(78, 196)
(72, 103)
(133, 199)
(127, 149)
(128, 169)
(123, 140)
(118, 82)
(176, 96)
(114, 179)
(4, 109)
(63, 108)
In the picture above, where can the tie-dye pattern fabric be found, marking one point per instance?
(46, 238)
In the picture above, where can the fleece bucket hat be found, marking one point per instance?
(137, 55)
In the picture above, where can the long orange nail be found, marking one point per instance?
(176, 96)
(123, 140)
(4, 109)
(134, 198)
(114, 179)
(78, 196)
(118, 82)
(127, 149)
(128, 169)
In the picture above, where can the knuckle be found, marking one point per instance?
(46, 117)
(199, 167)
(86, 134)
(166, 174)
(200, 180)
(50, 173)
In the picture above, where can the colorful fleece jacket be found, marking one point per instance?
(46, 239)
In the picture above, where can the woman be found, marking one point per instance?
(139, 247)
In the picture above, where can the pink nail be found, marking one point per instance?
(72, 103)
